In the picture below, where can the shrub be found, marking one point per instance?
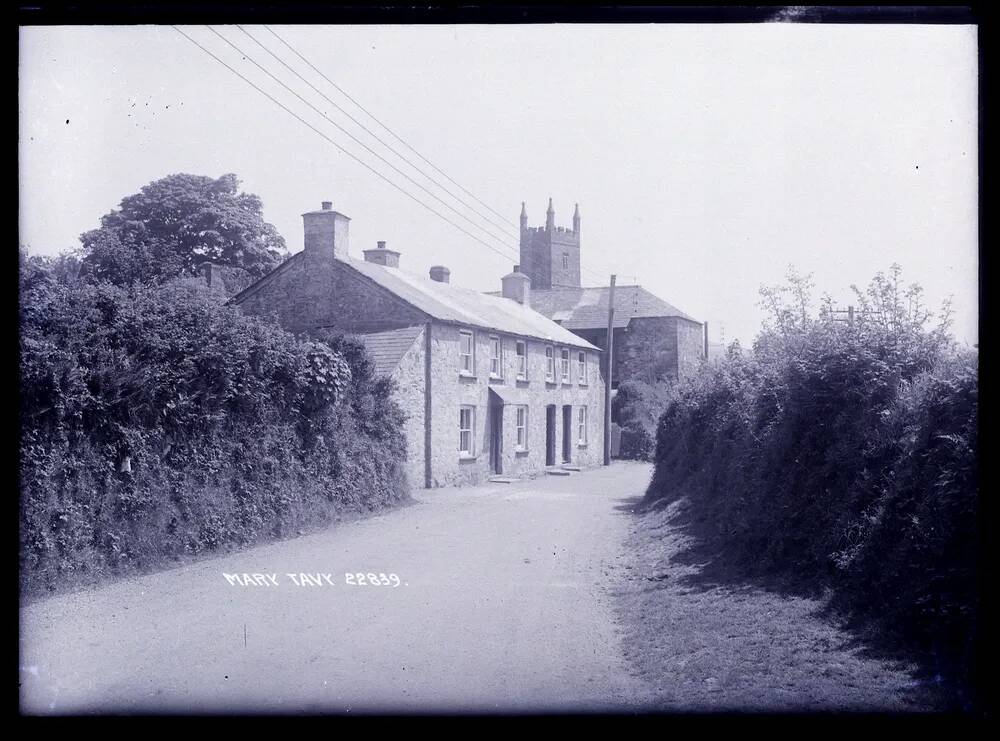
(635, 407)
(158, 422)
(841, 457)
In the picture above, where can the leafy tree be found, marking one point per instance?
(173, 224)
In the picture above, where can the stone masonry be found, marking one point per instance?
(316, 288)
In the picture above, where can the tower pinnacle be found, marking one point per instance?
(550, 217)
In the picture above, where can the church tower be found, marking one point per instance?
(550, 255)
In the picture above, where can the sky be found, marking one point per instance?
(706, 159)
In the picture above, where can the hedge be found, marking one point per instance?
(159, 422)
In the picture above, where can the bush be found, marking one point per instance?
(841, 457)
(635, 407)
(158, 422)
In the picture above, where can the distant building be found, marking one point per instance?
(716, 351)
(490, 386)
(653, 340)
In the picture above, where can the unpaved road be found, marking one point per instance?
(544, 595)
(504, 606)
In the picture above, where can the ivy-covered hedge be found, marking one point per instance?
(158, 422)
(635, 407)
(842, 458)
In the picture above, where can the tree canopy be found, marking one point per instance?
(174, 224)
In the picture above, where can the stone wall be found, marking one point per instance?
(653, 349)
(450, 391)
(690, 347)
(409, 378)
(309, 292)
(542, 257)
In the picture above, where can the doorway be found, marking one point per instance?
(495, 413)
(550, 435)
(567, 430)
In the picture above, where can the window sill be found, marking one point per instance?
(550, 383)
(466, 374)
(521, 451)
(466, 457)
(583, 384)
(581, 445)
(496, 379)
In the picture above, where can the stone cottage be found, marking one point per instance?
(653, 340)
(490, 386)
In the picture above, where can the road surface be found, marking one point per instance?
(504, 604)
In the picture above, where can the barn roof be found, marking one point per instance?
(587, 308)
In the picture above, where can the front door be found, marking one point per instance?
(550, 435)
(567, 433)
(496, 438)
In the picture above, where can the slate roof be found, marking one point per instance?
(388, 348)
(587, 308)
(450, 303)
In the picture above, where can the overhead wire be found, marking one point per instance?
(339, 146)
(250, 59)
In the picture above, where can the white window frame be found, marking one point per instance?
(470, 449)
(550, 363)
(564, 365)
(521, 426)
(581, 366)
(581, 426)
(496, 360)
(471, 355)
(522, 359)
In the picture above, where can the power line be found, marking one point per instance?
(338, 146)
(503, 225)
(592, 274)
(354, 138)
(376, 120)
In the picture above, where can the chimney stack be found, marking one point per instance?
(440, 273)
(382, 256)
(327, 233)
(517, 286)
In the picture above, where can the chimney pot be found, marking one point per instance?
(326, 232)
(517, 287)
(440, 273)
(382, 256)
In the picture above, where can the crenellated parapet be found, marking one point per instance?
(550, 254)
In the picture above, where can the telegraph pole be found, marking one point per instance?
(607, 375)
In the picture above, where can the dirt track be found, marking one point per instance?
(544, 595)
(503, 605)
